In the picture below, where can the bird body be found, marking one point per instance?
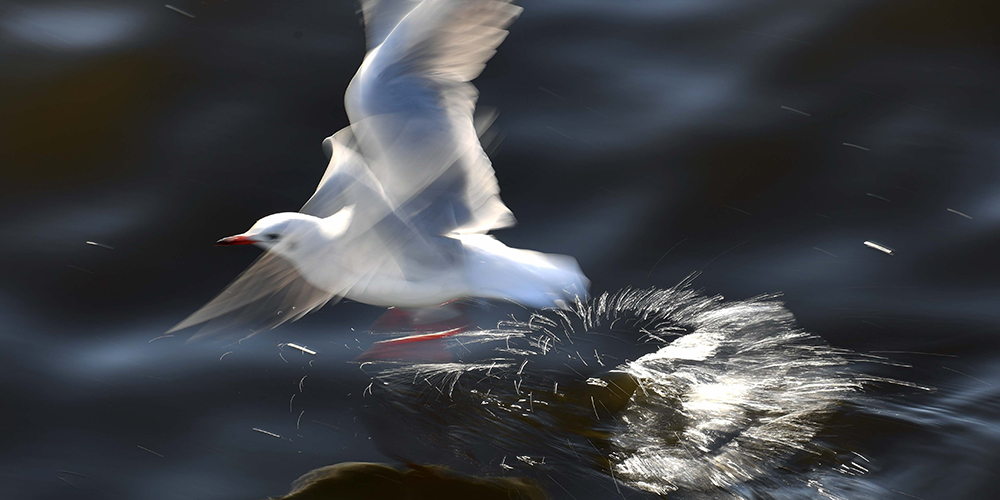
(401, 215)
(488, 269)
(482, 266)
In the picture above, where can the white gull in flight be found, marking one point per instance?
(400, 217)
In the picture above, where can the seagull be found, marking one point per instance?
(401, 216)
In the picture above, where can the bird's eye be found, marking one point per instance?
(273, 236)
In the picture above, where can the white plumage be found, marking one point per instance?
(400, 217)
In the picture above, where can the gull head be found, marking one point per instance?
(291, 233)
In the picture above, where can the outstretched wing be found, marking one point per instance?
(411, 107)
(273, 291)
(423, 175)
(272, 285)
(347, 181)
(381, 16)
(377, 236)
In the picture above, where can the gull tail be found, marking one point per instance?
(532, 279)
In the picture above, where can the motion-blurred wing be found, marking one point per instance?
(272, 285)
(347, 181)
(381, 16)
(377, 237)
(411, 107)
(273, 291)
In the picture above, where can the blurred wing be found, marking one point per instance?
(411, 107)
(377, 238)
(272, 290)
(381, 16)
(347, 181)
(274, 287)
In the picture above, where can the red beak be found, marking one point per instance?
(239, 239)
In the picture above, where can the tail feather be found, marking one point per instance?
(529, 278)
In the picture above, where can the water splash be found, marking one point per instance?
(661, 389)
(727, 403)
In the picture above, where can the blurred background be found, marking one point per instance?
(759, 142)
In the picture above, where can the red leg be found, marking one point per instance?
(430, 327)
(427, 347)
(394, 319)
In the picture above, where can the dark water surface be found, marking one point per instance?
(759, 142)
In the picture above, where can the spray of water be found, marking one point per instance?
(660, 389)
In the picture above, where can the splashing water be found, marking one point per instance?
(661, 389)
